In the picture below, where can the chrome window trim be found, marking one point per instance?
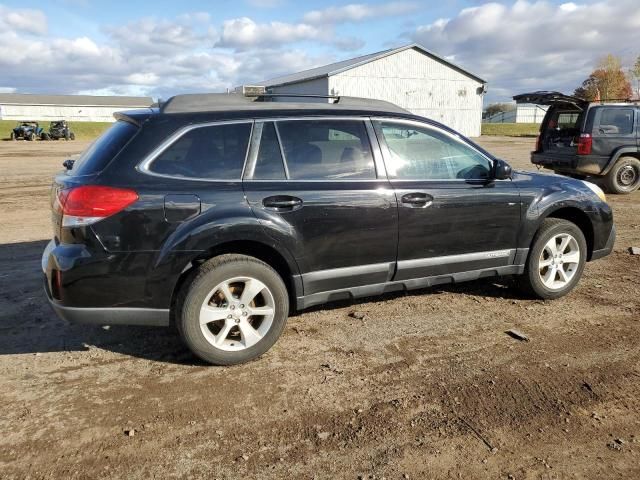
(143, 166)
(386, 154)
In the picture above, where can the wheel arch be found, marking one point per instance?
(621, 152)
(285, 267)
(579, 218)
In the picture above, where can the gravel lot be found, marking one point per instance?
(426, 385)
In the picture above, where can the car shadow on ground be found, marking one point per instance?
(29, 326)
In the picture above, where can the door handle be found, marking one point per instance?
(282, 203)
(417, 199)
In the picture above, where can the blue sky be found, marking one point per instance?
(164, 47)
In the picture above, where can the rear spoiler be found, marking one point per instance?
(135, 117)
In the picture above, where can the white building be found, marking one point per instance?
(410, 76)
(77, 108)
(521, 113)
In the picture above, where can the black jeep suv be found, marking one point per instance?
(221, 214)
(580, 139)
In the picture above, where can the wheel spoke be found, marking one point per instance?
(563, 275)
(224, 332)
(545, 263)
(224, 288)
(550, 277)
(250, 336)
(260, 311)
(571, 257)
(552, 246)
(252, 287)
(210, 314)
(564, 243)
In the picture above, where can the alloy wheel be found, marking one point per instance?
(237, 313)
(559, 261)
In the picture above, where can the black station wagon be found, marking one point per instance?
(221, 214)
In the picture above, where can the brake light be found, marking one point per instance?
(538, 143)
(585, 143)
(90, 203)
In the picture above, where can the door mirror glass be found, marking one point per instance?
(502, 170)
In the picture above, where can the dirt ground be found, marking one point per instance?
(427, 385)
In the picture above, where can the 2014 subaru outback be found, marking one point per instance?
(221, 213)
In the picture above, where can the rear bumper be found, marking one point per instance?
(579, 164)
(71, 291)
(608, 248)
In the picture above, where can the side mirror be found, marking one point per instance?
(68, 164)
(502, 170)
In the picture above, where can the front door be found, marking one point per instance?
(452, 216)
(313, 184)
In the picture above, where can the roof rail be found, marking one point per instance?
(205, 102)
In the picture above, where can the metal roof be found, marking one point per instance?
(339, 67)
(79, 100)
(224, 102)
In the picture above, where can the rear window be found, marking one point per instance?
(616, 121)
(104, 149)
(214, 152)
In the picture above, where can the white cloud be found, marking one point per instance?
(23, 20)
(245, 33)
(535, 45)
(265, 3)
(357, 12)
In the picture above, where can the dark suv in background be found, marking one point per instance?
(221, 214)
(580, 139)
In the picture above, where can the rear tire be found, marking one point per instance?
(624, 177)
(556, 260)
(233, 309)
(13, 137)
(32, 137)
(72, 136)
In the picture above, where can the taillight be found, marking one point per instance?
(538, 143)
(87, 204)
(585, 143)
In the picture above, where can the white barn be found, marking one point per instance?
(410, 76)
(77, 108)
(521, 113)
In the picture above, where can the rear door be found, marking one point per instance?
(613, 128)
(452, 217)
(314, 184)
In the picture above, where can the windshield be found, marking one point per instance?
(104, 149)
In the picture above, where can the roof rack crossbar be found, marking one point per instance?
(298, 95)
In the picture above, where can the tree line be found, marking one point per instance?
(610, 82)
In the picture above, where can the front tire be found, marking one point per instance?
(556, 260)
(233, 309)
(624, 177)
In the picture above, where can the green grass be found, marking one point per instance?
(82, 130)
(511, 129)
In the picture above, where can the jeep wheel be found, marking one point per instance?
(233, 310)
(32, 137)
(556, 260)
(44, 136)
(13, 137)
(72, 136)
(624, 177)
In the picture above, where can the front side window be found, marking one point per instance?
(422, 153)
(616, 121)
(326, 149)
(215, 152)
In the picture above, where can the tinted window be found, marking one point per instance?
(327, 149)
(104, 149)
(269, 164)
(216, 152)
(616, 121)
(428, 154)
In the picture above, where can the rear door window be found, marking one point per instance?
(269, 164)
(215, 152)
(95, 158)
(326, 149)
